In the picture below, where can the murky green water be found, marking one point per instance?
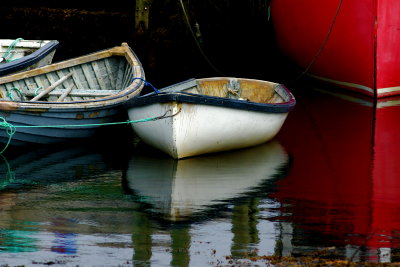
(80, 205)
(323, 188)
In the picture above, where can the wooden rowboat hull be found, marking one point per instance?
(48, 120)
(351, 44)
(25, 54)
(99, 84)
(200, 124)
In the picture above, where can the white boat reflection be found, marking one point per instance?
(179, 189)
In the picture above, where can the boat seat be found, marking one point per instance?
(80, 92)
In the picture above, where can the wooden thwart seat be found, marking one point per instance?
(80, 92)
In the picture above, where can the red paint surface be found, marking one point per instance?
(388, 42)
(347, 183)
(362, 48)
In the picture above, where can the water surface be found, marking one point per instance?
(327, 184)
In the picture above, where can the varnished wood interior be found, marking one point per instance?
(243, 89)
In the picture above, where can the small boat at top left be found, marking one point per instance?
(21, 55)
(71, 99)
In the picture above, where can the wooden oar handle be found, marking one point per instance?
(64, 95)
(51, 87)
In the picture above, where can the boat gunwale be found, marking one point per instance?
(184, 97)
(30, 59)
(123, 50)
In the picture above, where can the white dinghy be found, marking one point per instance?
(211, 115)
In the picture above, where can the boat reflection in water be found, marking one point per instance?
(180, 190)
(45, 165)
(346, 191)
(37, 193)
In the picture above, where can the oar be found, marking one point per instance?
(51, 87)
(64, 95)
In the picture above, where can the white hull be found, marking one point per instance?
(201, 116)
(200, 129)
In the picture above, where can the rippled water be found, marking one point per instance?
(328, 182)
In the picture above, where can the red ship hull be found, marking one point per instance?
(348, 186)
(353, 44)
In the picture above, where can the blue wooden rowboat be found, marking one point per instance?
(21, 55)
(71, 99)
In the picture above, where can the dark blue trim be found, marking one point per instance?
(212, 101)
(26, 61)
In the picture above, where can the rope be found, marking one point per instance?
(323, 43)
(15, 89)
(37, 90)
(11, 129)
(146, 83)
(197, 42)
(10, 176)
(9, 54)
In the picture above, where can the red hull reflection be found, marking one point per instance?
(345, 178)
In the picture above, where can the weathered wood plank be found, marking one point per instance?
(89, 76)
(99, 75)
(119, 51)
(52, 87)
(65, 93)
(81, 92)
(9, 92)
(128, 76)
(142, 15)
(110, 72)
(39, 83)
(120, 74)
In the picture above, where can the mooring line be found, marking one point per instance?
(11, 129)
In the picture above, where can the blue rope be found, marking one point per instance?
(146, 83)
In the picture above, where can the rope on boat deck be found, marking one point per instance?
(11, 129)
(15, 89)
